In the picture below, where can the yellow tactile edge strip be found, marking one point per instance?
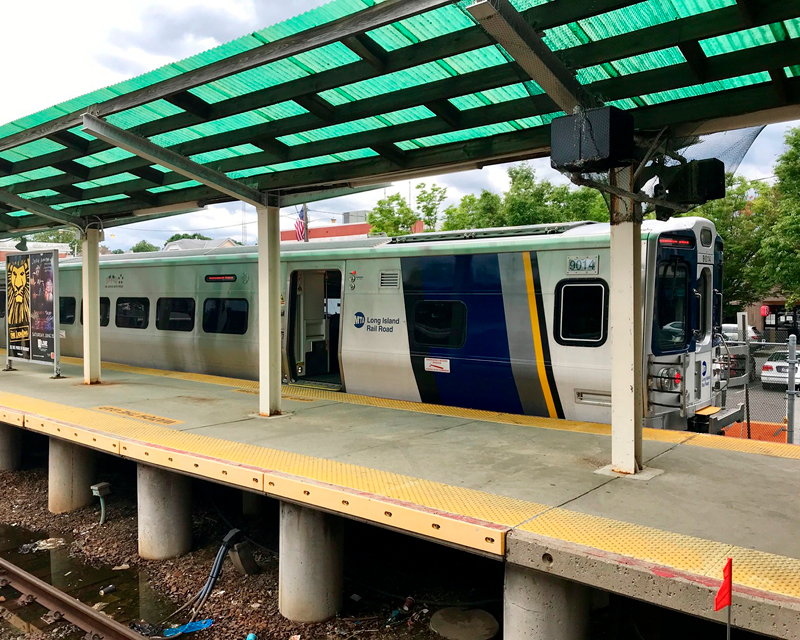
(455, 515)
(765, 572)
(774, 449)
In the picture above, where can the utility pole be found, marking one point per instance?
(305, 223)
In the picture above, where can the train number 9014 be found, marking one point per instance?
(582, 265)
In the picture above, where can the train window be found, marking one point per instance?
(105, 311)
(132, 313)
(672, 306)
(66, 310)
(2, 304)
(175, 314)
(225, 315)
(581, 313)
(440, 323)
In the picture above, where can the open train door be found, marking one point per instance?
(314, 326)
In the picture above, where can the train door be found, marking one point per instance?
(701, 373)
(314, 326)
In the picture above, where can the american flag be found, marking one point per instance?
(299, 227)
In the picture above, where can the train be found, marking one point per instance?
(511, 320)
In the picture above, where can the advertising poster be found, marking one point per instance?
(43, 310)
(18, 295)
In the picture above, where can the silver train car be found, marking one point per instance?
(512, 320)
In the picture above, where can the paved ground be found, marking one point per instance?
(716, 496)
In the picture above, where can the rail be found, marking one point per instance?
(97, 625)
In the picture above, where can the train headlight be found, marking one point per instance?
(669, 379)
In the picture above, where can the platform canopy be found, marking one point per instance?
(358, 92)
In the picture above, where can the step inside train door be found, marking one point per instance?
(314, 326)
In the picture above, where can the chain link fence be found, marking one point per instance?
(759, 378)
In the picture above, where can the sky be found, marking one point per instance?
(70, 50)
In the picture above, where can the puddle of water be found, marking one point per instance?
(132, 598)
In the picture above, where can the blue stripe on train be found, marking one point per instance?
(480, 371)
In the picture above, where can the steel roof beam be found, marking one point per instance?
(368, 50)
(35, 207)
(509, 29)
(553, 13)
(10, 222)
(191, 103)
(143, 148)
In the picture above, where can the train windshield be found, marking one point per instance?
(672, 310)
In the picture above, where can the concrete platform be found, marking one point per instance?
(517, 488)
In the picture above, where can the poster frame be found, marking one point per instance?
(56, 363)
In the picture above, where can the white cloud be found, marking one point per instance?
(69, 52)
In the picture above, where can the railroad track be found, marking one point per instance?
(62, 606)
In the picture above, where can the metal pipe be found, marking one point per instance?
(791, 393)
(102, 510)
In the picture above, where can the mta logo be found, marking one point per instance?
(705, 368)
(361, 320)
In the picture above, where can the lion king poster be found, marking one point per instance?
(18, 295)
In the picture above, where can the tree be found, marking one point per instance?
(186, 236)
(780, 250)
(60, 236)
(528, 200)
(428, 202)
(475, 212)
(143, 246)
(117, 251)
(392, 216)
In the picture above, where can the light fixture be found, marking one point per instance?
(170, 209)
(22, 245)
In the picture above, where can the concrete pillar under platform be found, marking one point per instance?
(540, 606)
(72, 472)
(10, 447)
(164, 503)
(310, 580)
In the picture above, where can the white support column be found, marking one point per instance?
(164, 502)
(90, 278)
(269, 311)
(10, 447)
(626, 328)
(540, 606)
(311, 564)
(71, 474)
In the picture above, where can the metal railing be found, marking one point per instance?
(762, 375)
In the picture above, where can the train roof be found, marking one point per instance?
(481, 240)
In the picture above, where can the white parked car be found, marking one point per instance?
(731, 333)
(775, 371)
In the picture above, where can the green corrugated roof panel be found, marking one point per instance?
(175, 187)
(632, 64)
(280, 72)
(484, 58)
(104, 182)
(104, 157)
(492, 96)
(746, 39)
(704, 89)
(9, 180)
(358, 126)
(422, 27)
(31, 150)
(224, 154)
(141, 115)
(627, 19)
(456, 136)
(40, 193)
